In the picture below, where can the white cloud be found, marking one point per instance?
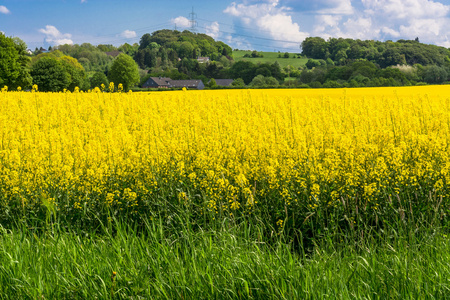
(83, 1)
(181, 22)
(254, 11)
(407, 9)
(55, 37)
(337, 7)
(4, 10)
(269, 17)
(360, 28)
(383, 19)
(389, 32)
(129, 34)
(281, 27)
(327, 26)
(408, 19)
(213, 30)
(353, 27)
(239, 42)
(422, 27)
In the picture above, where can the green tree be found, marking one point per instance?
(49, 74)
(256, 54)
(223, 48)
(98, 79)
(331, 84)
(306, 76)
(392, 57)
(76, 73)
(435, 74)
(124, 70)
(185, 50)
(271, 81)
(258, 81)
(106, 48)
(212, 83)
(162, 37)
(311, 63)
(239, 82)
(261, 81)
(315, 47)
(263, 70)
(128, 49)
(243, 69)
(13, 62)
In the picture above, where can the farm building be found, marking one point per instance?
(224, 82)
(166, 82)
(189, 84)
(202, 59)
(114, 53)
(157, 82)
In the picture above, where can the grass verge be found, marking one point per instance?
(230, 262)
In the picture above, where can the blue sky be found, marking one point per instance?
(268, 25)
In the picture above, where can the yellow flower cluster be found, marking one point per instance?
(232, 151)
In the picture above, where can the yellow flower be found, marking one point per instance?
(280, 223)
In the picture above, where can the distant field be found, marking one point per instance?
(271, 57)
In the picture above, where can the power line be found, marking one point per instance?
(238, 26)
(276, 48)
(193, 27)
(255, 37)
(123, 39)
(139, 29)
(224, 32)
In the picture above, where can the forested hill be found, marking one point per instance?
(384, 54)
(171, 45)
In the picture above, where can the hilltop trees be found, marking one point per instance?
(347, 62)
(315, 47)
(167, 48)
(385, 54)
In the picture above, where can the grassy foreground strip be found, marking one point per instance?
(227, 263)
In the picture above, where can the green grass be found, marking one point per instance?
(271, 57)
(232, 261)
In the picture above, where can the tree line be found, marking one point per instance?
(336, 62)
(384, 54)
(340, 62)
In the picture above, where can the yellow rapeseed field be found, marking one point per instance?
(228, 151)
